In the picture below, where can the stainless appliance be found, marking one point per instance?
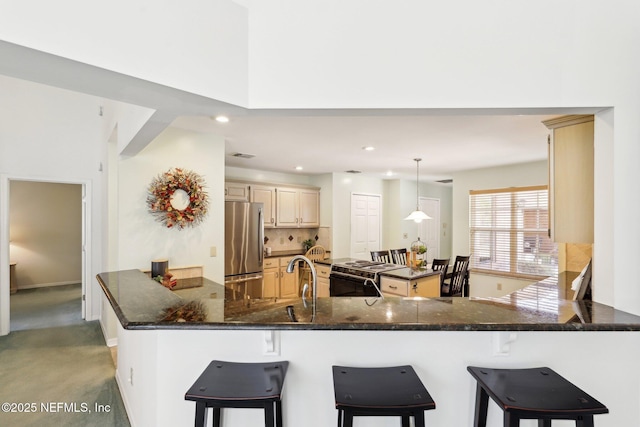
(243, 249)
(354, 278)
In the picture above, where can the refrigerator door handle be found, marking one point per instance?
(260, 236)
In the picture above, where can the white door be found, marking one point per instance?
(429, 230)
(365, 225)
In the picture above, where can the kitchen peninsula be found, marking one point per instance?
(141, 303)
(162, 351)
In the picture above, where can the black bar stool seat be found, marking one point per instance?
(239, 385)
(536, 394)
(389, 391)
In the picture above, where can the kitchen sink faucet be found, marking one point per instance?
(314, 282)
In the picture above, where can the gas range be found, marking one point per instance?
(353, 278)
(362, 268)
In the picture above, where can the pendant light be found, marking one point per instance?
(417, 215)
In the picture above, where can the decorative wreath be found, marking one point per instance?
(161, 191)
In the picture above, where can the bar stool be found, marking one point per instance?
(239, 385)
(392, 391)
(535, 394)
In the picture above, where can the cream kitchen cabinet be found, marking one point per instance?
(266, 195)
(571, 179)
(276, 281)
(284, 206)
(322, 273)
(236, 191)
(428, 287)
(297, 207)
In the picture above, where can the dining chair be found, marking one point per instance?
(398, 256)
(455, 286)
(380, 256)
(315, 253)
(441, 265)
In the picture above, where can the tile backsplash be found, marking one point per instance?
(285, 239)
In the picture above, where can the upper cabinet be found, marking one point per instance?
(571, 179)
(236, 191)
(284, 206)
(297, 207)
(266, 195)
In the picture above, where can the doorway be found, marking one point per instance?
(365, 224)
(46, 251)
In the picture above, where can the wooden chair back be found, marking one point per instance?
(456, 283)
(380, 256)
(398, 256)
(316, 253)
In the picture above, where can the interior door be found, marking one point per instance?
(365, 225)
(429, 230)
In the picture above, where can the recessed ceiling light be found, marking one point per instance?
(368, 148)
(298, 168)
(389, 173)
(221, 119)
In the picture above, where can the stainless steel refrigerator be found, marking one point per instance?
(243, 249)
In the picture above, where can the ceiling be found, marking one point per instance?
(334, 143)
(321, 141)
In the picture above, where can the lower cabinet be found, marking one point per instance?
(276, 282)
(428, 287)
(323, 271)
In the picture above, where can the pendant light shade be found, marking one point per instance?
(417, 215)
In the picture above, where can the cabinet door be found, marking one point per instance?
(236, 191)
(309, 208)
(267, 196)
(571, 159)
(288, 283)
(572, 184)
(287, 214)
(323, 287)
(428, 287)
(270, 282)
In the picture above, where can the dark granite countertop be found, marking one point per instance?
(292, 252)
(141, 303)
(407, 273)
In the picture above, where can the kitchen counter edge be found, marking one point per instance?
(464, 327)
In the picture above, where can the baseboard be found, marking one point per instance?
(111, 342)
(46, 285)
(125, 402)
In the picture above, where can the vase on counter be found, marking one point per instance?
(418, 255)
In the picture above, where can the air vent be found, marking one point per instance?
(445, 181)
(243, 155)
(353, 171)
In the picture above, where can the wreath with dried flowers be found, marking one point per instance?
(163, 198)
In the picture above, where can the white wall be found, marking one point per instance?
(168, 362)
(51, 135)
(400, 201)
(141, 237)
(465, 54)
(259, 175)
(199, 46)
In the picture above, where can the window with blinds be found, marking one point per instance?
(509, 232)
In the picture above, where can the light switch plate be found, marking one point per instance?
(213, 251)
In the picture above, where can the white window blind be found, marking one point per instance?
(509, 232)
